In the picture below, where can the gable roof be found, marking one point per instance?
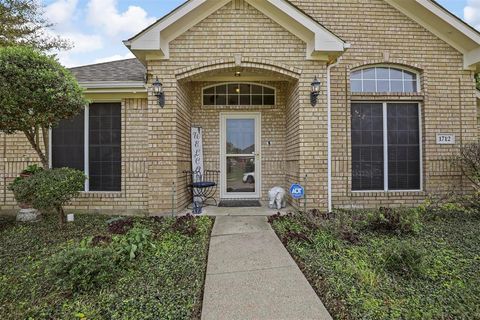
(154, 40)
(120, 70)
(445, 25)
(116, 75)
(321, 43)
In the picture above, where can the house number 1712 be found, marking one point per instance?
(445, 138)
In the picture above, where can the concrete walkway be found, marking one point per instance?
(250, 275)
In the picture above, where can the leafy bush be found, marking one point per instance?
(397, 220)
(32, 169)
(83, 268)
(450, 204)
(49, 189)
(133, 243)
(404, 259)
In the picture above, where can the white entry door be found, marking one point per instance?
(240, 162)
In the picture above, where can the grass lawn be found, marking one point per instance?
(435, 276)
(138, 268)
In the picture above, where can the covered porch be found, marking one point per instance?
(248, 113)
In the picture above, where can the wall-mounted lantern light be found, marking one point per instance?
(158, 92)
(315, 91)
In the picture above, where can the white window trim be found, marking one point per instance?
(86, 150)
(392, 66)
(238, 82)
(385, 148)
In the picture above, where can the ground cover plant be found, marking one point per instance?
(103, 268)
(389, 263)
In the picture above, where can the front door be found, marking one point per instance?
(240, 155)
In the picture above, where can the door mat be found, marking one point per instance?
(239, 203)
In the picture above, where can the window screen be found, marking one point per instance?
(105, 164)
(403, 146)
(367, 146)
(68, 143)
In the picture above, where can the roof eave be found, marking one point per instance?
(113, 86)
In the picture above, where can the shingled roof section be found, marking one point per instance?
(120, 70)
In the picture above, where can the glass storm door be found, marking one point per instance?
(240, 155)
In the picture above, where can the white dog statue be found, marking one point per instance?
(276, 197)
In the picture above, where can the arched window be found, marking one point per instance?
(384, 79)
(234, 94)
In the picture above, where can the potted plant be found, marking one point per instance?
(24, 194)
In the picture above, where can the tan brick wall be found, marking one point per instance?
(184, 118)
(220, 36)
(132, 199)
(157, 140)
(381, 34)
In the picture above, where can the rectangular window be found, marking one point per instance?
(68, 143)
(103, 146)
(367, 146)
(386, 150)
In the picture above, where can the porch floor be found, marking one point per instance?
(264, 210)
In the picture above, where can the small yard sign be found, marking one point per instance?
(445, 138)
(297, 191)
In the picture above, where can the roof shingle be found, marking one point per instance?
(120, 70)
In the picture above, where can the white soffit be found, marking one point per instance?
(444, 25)
(154, 41)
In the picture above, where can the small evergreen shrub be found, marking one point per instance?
(395, 220)
(81, 269)
(49, 189)
(404, 259)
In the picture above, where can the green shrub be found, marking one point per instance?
(49, 189)
(83, 268)
(450, 205)
(396, 220)
(133, 242)
(32, 169)
(404, 259)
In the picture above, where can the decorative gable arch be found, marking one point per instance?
(233, 64)
(155, 40)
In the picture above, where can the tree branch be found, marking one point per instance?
(31, 138)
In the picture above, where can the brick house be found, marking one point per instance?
(396, 100)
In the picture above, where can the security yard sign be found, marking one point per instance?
(297, 191)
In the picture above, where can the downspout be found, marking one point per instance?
(329, 134)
